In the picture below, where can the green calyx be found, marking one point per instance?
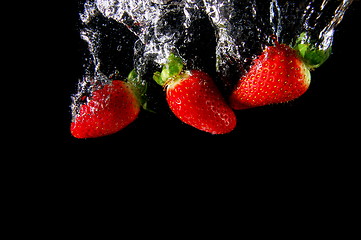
(312, 56)
(138, 86)
(170, 70)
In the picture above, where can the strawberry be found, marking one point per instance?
(278, 75)
(109, 109)
(194, 98)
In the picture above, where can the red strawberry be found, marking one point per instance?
(109, 110)
(195, 99)
(278, 75)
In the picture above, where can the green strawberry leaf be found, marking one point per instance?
(171, 69)
(312, 55)
(158, 79)
(139, 87)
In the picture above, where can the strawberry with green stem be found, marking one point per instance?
(280, 74)
(194, 98)
(110, 108)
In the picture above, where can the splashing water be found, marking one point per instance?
(245, 27)
(327, 18)
(219, 35)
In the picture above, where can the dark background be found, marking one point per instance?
(327, 114)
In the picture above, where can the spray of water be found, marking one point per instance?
(139, 33)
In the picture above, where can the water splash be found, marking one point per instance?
(224, 35)
(244, 28)
(327, 33)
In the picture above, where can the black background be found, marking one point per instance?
(327, 114)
